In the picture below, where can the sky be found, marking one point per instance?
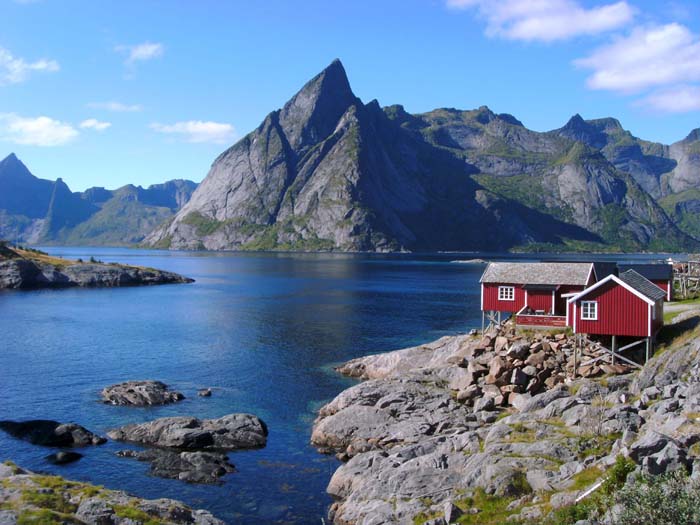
(106, 93)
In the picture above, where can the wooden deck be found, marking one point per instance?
(555, 321)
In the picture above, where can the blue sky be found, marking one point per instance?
(107, 93)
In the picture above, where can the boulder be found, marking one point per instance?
(205, 392)
(231, 432)
(51, 433)
(140, 393)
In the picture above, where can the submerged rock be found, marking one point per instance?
(231, 432)
(51, 433)
(140, 393)
(204, 392)
(193, 467)
(63, 457)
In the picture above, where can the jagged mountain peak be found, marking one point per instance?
(693, 136)
(312, 114)
(11, 166)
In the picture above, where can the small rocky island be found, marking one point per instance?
(31, 269)
(27, 497)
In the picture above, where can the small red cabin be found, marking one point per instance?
(535, 292)
(629, 305)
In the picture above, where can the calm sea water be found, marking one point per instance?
(263, 331)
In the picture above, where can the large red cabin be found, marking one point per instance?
(629, 305)
(535, 292)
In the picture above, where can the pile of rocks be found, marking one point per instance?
(506, 368)
(140, 393)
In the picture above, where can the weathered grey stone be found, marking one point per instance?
(140, 393)
(231, 432)
(51, 433)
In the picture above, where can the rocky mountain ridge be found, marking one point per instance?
(328, 172)
(34, 210)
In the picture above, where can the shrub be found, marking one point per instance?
(670, 499)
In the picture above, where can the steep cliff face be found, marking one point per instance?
(34, 210)
(327, 172)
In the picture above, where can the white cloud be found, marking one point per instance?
(546, 20)
(680, 99)
(648, 57)
(35, 131)
(117, 107)
(95, 124)
(14, 70)
(198, 131)
(141, 52)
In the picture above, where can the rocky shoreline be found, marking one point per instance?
(417, 450)
(25, 269)
(28, 497)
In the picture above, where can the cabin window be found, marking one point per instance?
(589, 310)
(506, 293)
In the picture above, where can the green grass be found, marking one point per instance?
(44, 517)
(492, 509)
(204, 226)
(136, 514)
(586, 478)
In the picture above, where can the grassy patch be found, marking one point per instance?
(44, 517)
(492, 509)
(136, 514)
(586, 478)
(203, 225)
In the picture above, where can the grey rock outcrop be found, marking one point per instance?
(231, 432)
(23, 496)
(412, 448)
(140, 393)
(51, 433)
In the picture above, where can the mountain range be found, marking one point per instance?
(39, 211)
(329, 172)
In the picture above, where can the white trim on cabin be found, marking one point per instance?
(669, 286)
(589, 310)
(553, 291)
(591, 271)
(506, 293)
(526, 297)
(649, 316)
(618, 281)
(567, 306)
(567, 314)
(482, 297)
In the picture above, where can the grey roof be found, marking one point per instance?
(642, 285)
(549, 273)
(653, 272)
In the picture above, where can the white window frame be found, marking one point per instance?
(506, 293)
(589, 310)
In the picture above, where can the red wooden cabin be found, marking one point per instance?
(535, 292)
(629, 305)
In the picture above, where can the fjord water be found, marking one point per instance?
(263, 331)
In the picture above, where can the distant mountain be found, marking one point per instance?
(327, 172)
(34, 210)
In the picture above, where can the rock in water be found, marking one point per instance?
(63, 457)
(231, 432)
(51, 433)
(193, 467)
(140, 393)
(205, 392)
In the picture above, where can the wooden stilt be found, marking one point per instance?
(648, 350)
(483, 320)
(614, 348)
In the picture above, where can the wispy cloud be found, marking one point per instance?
(662, 62)
(141, 52)
(546, 20)
(198, 131)
(116, 107)
(35, 131)
(95, 124)
(679, 99)
(14, 70)
(648, 57)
